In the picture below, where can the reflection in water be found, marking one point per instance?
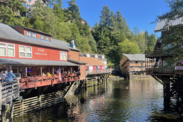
(135, 100)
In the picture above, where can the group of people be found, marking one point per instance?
(7, 76)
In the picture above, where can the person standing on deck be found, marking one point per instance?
(10, 76)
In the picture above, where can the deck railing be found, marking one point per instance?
(98, 71)
(38, 81)
(9, 91)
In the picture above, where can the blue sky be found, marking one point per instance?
(138, 13)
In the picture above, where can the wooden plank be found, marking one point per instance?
(29, 108)
(49, 100)
(12, 111)
(28, 104)
(31, 101)
(30, 98)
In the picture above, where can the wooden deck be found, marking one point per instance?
(38, 81)
(164, 72)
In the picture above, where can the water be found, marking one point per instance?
(120, 101)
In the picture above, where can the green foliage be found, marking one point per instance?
(127, 47)
(10, 12)
(114, 38)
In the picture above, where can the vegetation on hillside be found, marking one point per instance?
(111, 36)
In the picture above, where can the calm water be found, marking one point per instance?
(128, 101)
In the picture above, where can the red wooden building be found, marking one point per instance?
(32, 54)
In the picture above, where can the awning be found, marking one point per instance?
(77, 62)
(29, 62)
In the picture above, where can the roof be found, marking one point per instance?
(163, 25)
(135, 57)
(77, 62)
(28, 62)
(32, 30)
(91, 61)
(6, 32)
(62, 44)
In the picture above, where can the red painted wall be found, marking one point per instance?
(38, 53)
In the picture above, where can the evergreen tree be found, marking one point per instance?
(10, 13)
(74, 9)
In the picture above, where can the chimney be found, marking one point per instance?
(72, 44)
(87, 55)
(96, 56)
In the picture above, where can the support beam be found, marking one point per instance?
(53, 70)
(25, 72)
(41, 70)
(27, 92)
(45, 88)
(166, 92)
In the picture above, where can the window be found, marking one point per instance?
(11, 50)
(42, 36)
(25, 51)
(21, 51)
(2, 49)
(28, 33)
(132, 62)
(29, 52)
(34, 35)
(46, 38)
(63, 55)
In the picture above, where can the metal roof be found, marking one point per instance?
(32, 30)
(163, 25)
(7, 32)
(29, 62)
(135, 57)
(63, 44)
(78, 62)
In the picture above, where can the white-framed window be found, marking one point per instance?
(42, 36)
(25, 51)
(11, 50)
(2, 49)
(46, 38)
(63, 55)
(28, 33)
(34, 35)
(29, 52)
(21, 51)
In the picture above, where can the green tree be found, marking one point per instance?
(10, 13)
(128, 47)
(74, 9)
(151, 42)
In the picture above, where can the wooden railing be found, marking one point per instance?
(9, 91)
(98, 71)
(39, 81)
